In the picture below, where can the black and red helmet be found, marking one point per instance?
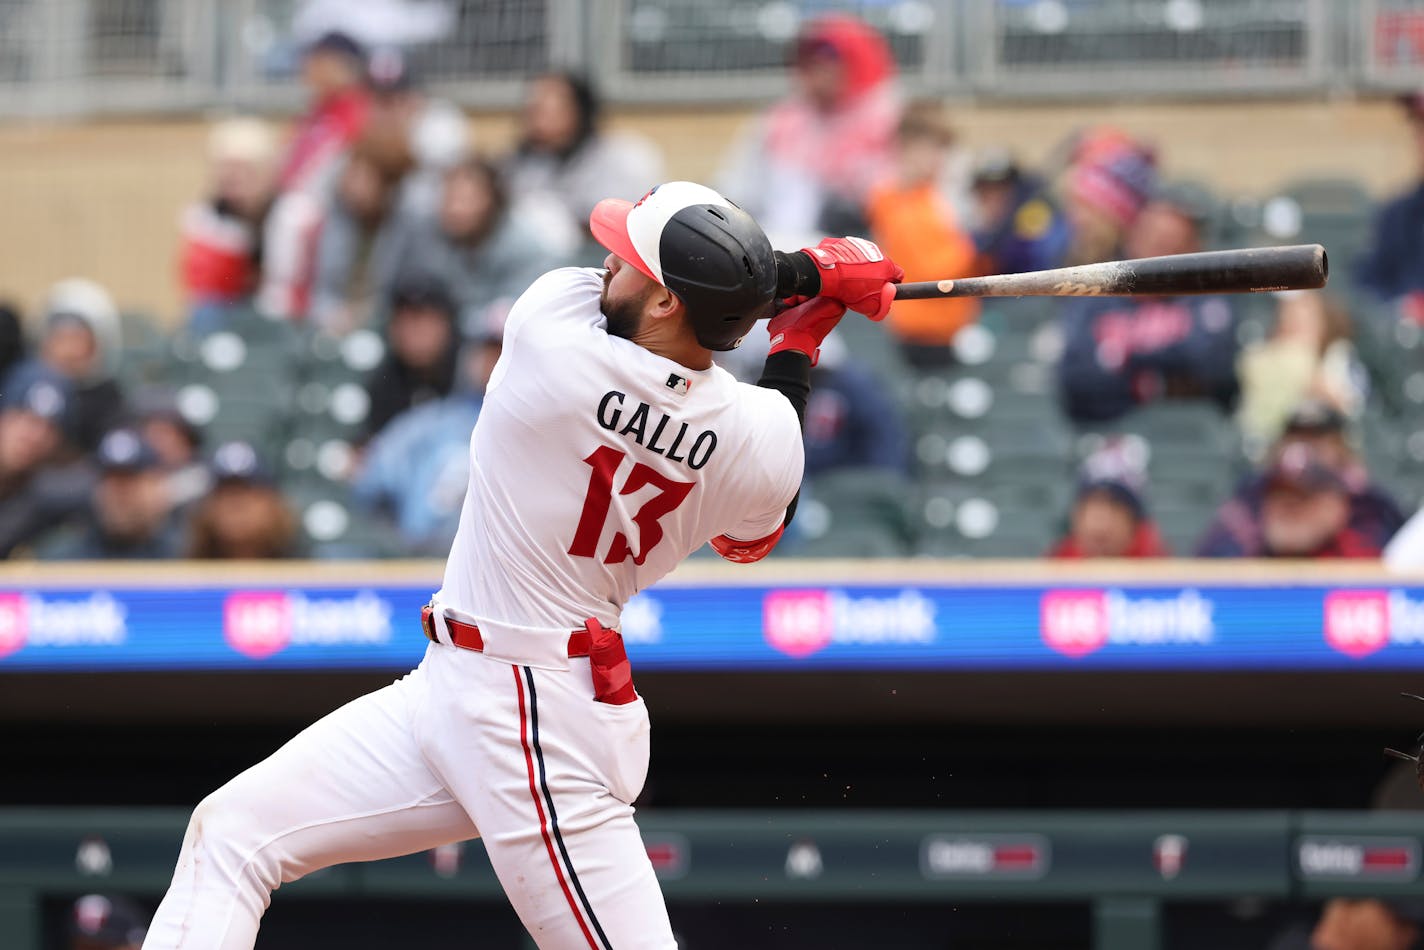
(701, 247)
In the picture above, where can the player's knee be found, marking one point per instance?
(225, 828)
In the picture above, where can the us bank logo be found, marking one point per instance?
(1358, 623)
(258, 623)
(29, 620)
(802, 622)
(1079, 622)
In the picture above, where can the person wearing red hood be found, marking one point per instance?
(819, 150)
(334, 71)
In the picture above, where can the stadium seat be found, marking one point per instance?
(855, 498)
(862, 540)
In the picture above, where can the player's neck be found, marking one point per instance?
(657, 336)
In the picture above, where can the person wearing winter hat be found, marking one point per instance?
(220, 246)
(80, 341)
(1111, 180)
(1109, 517)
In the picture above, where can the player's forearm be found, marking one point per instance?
(789, 373)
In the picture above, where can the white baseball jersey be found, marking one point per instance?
(597, 466)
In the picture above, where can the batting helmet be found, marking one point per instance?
(700, 246)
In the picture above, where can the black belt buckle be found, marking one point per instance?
(427, 622)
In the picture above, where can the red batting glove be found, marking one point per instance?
(805, 325)
(857, 273)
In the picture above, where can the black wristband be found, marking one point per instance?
(796, 275)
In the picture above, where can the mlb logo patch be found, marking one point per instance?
(678, 384)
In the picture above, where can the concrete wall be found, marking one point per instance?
(101, 199)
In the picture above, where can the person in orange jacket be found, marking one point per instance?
(916, 224)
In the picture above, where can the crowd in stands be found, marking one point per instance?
(360, 268)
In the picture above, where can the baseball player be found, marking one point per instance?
(609, 448)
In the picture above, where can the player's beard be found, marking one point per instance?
(624, 316)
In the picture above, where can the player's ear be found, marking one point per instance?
(663, 304)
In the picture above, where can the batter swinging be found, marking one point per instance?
(609, 448)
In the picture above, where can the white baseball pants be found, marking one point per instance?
(464, 746)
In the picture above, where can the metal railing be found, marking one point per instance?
(77, 57)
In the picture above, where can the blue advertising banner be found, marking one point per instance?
(946, 625)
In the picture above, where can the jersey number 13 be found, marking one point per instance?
(605, 461)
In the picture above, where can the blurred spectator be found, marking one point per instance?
(422, 345)
(1108, 184)
(334, 72)
(106, 922)
(416, 468)
(1359, 923)
(484, 253)
(1109, 518)
(1308, 355)
(565, 162)
(1122, 352)
(1314, 499)
(220, 248)
(913, 221)
(80, 340)
(851, 421)
(36, 405)
(176, 443)
(819, 150)
(12, 337)
(244, 515)
(409, 129)
(354, 253)
(1017, 227)
(130, 515)
(1394, 265)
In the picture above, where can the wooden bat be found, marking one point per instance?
(1241, 271)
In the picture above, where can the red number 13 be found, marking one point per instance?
(605, 461)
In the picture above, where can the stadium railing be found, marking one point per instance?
(79, 57)
(1126, 865)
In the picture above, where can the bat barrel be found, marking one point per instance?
(1243, 270)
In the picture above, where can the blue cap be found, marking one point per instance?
(124, 450)
(35, 388)
(238, 461)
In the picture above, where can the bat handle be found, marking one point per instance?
(926, 290)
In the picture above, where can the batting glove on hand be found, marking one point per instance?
(805, 325)
(857, 273)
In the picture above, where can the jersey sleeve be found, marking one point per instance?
(775, 466)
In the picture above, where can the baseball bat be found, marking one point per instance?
(1244, 270)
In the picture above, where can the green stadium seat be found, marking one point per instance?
(864, 497)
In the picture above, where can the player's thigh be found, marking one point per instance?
(352, 786)
(548, 775)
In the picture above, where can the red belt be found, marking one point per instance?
(466, 636)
